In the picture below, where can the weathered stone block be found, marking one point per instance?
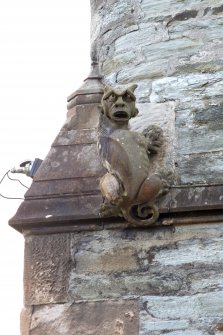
(83, 157)
(118, 61)
(61, 209)
(157, 261)
(133, 40)
(47, 268)
(142, 71)
(117, 259)
(198, 119)
(152, 9)
(81, 186)
(200, 140)
(191, 313)
(191, 90)
(25, 319)
(200, 168)
(73, 136)
(123, 285)
(92, 318)
(192, 252)
(82, 117)
(162, 115)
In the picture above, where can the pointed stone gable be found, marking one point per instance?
(66, 186)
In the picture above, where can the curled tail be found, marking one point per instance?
(142, 215)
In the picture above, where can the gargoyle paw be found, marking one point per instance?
(154, 136)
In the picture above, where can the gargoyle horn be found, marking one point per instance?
(132, 87)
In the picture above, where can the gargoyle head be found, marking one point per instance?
(119, 105)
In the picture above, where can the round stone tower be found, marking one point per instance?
(173, 51)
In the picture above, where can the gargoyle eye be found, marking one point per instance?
(112, 97)
(127, 97)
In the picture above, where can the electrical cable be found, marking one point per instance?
(3, 196)
(16, 180)
(4, 176)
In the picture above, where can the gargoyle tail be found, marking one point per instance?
(142, 215)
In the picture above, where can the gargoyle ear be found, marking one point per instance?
(107, 92)
(132, 87)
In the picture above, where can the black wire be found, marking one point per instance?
(16, 180)
(4, 176)
(1, 195)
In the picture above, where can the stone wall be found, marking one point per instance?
(173, 50)
(126, 282)
(88, 276)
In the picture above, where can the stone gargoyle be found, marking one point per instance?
(128, 187)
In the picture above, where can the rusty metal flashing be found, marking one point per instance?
(193, 218)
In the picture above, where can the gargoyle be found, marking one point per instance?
(127, 187)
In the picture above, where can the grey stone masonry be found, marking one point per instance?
(173, 50)
(163, 280)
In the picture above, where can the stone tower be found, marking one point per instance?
(85, 274)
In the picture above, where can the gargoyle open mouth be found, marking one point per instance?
(122, 115)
